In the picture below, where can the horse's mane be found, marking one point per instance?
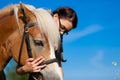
(4, 11)
(7, 9)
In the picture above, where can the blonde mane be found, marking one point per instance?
(7, 9)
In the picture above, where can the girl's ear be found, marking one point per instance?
(55, 16)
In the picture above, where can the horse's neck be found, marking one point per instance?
(7, 26)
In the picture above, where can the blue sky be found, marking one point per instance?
(91, 48)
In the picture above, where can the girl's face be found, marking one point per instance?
(64, 25)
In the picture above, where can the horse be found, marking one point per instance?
(43, 39)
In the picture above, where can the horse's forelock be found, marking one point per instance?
(47, 26)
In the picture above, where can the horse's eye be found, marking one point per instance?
(38, 42)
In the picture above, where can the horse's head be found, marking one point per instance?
(44, 38)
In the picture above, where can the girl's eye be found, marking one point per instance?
(38, 43)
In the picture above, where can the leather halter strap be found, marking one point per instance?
(25, 36)
(2, 75)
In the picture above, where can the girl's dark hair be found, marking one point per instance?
(67, 13)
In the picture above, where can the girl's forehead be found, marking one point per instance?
(67, 24)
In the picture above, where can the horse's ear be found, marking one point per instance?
(49, 11)
(24, 11)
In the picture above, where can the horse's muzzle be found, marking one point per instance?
(52, 72)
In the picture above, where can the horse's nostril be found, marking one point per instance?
(36, 76)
